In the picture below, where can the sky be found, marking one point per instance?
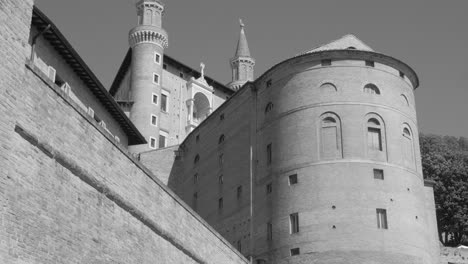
(429, 35)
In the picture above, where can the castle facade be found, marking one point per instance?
(315, 161)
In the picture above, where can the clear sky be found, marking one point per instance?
(429, 35)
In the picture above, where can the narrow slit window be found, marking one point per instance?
(294, 223)
(269, 154)
(382, 219)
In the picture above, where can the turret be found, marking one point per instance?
(147, 41)
(242, 64)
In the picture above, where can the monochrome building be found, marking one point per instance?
(317, 160)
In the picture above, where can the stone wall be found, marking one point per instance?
(453, 255)
(68, 192)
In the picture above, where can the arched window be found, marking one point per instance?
(269, 107)
(330, 136)
(196, 159)
(404, 99)
(371, 89)
(328, 88)
(374, 135)
(221, 139)
(407, 146)
(351, 48)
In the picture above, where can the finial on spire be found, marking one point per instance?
(241, 23)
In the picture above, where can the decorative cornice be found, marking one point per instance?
(156, 5)
(237, 60)
(147, 35)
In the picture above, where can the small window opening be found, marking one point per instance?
(269, 231)
(221, 117)
(152, 143)
(269, 107)
(269, 154)
(370, 63)
(402, 75)
(293, 179)
(220, 203)
(221, 139)
(326, 62)
(155, 78)
(196, 159)
(197, 138)
(195, 178)
(268, 83)
(221, 179)
(269, 188)
(294, 223)
(239, 192)
(378, 174)
(382, 219)
(295, 251)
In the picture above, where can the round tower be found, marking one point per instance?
(147, 41)
(242, 65)
(338, 141)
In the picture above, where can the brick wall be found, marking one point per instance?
(68, 193)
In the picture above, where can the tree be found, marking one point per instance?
(445, 160)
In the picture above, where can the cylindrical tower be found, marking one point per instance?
(148, 41)
(338, 142)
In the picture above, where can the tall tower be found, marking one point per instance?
(148, 41)
(242, 64)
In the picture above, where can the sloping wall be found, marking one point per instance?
(69, 193)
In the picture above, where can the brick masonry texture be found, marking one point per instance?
(69, 194)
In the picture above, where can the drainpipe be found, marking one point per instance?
(33, 43)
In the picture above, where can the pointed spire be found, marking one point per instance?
(242, 45)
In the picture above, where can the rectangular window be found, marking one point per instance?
(326, 62)
(370, 63)
(378, 174)
(293, 179)
(155, 78)
(155, 99)
(294, 222)
(374, 140)
(269, 231)
(269, 154)
(152, 142)
(195, 178)
(382, 219)
(163, 139)
(195, 201)
(221, 179)
(154, 120)
(165, 66)
(221, 159)
(220, 204)
(239, 246)
(157, 58)
(181, 74)
(164, 102)
(295, 251)
(269, 188)
(239, 192)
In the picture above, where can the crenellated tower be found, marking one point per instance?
(242, 64)
(147, 41)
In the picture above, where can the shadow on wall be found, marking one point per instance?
(161, 163)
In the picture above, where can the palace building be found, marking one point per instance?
(316, 160)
